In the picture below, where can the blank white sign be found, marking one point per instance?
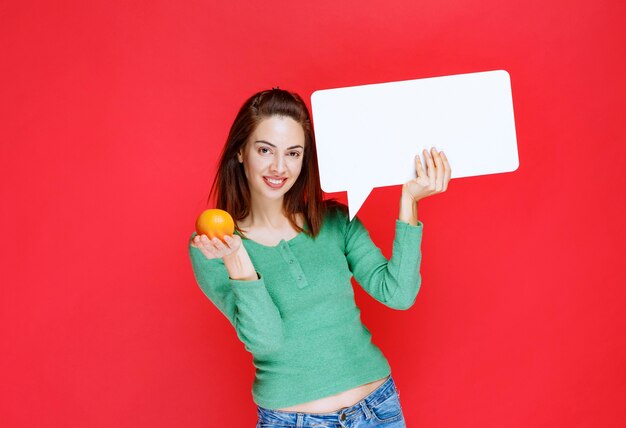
(368, 136)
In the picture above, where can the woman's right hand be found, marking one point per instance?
(216, 248)
(236, 259)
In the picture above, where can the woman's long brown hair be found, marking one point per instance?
(230, 188)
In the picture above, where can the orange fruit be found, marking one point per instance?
(215, 223)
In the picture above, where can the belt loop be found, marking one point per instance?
(366, 410)
(299, 420)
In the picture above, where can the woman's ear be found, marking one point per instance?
(241, 152)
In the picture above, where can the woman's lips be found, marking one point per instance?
(275, 183)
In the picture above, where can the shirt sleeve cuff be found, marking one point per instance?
(404, 227)
(242, 285)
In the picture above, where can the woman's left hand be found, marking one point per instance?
(431, 181)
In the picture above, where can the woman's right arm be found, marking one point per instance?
(227, 277)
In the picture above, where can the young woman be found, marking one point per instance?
(283, 279)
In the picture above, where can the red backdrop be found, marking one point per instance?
(112, 115)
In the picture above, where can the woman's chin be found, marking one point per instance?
(270, 196)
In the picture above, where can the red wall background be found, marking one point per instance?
(112, 115)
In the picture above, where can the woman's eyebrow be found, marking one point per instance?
(270, 144)
(265, 142)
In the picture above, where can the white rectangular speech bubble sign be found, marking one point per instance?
(368, 136)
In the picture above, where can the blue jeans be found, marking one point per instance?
(381, 408)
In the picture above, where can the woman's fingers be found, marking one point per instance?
(448, 171)
(419, 169)
(233, 242)
(225, 247)
(433, 178)
(218, 244)
(439, 170)
(430, 166)
(211, 248)
(202, 243)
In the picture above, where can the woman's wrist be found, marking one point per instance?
(408, 209)
(239, 266)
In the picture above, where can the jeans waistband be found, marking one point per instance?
(377, 396)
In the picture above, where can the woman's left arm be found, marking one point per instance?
(397, 281)
(427, 182)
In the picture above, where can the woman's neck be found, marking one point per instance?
(267, 224)
(266, 215)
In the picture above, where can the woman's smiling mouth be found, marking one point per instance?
(274, 183)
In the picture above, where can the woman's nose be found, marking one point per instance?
(278, 164)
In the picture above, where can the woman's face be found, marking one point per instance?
(272, 157)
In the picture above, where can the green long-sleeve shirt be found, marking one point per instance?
(300, 320)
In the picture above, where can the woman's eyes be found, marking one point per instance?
(268, 151)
